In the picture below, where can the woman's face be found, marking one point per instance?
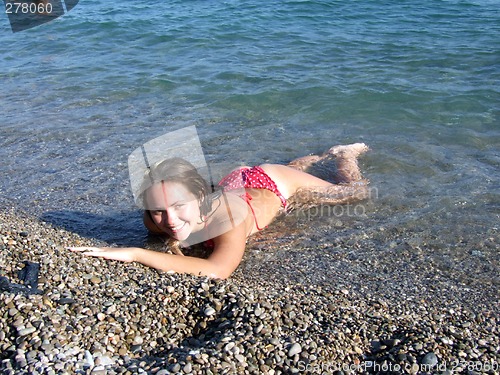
(174, 209)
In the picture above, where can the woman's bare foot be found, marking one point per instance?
(346, 159)
(348, 151)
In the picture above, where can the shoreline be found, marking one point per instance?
(291, 307)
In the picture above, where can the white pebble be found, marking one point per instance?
(209, 311)
(294, 349)
(89, 360)
(138, 340)
(26, 331)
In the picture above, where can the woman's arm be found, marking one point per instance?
(227, 254)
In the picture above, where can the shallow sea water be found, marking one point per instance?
(417, 81)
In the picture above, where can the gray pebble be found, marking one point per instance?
(430, 359)
(188, 368)
(106, 361)
(294, 349)
(176, 367)
(26, 331)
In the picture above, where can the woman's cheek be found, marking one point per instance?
(156, 218)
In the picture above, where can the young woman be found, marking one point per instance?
(179, 205)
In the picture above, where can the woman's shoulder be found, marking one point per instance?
(228, 211)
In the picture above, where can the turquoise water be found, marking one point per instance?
(263, 82)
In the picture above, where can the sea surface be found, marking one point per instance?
(262, 81)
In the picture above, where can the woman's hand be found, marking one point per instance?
(227, 254)
(123, 254)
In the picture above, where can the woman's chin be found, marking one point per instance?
(181, 236)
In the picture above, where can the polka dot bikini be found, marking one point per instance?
(251, 178)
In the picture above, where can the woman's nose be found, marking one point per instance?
(168, 218)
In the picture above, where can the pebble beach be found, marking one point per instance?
(384, 309)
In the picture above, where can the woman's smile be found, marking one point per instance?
(180, 232)
(176, 210)
(178, 228)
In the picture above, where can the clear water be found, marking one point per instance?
(419, 81)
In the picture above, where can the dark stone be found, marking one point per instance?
(29, 274)
(66, 301)
(135, 348)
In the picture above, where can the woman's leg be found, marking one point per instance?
(303, 163)
(346, 158)
(289, 179)
(304, 189)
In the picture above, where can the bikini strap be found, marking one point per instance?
(247, 198)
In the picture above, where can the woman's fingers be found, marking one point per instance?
(121, 254)
(91, 251)
(86, 249)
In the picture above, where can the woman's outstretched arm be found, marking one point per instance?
(227, 255)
